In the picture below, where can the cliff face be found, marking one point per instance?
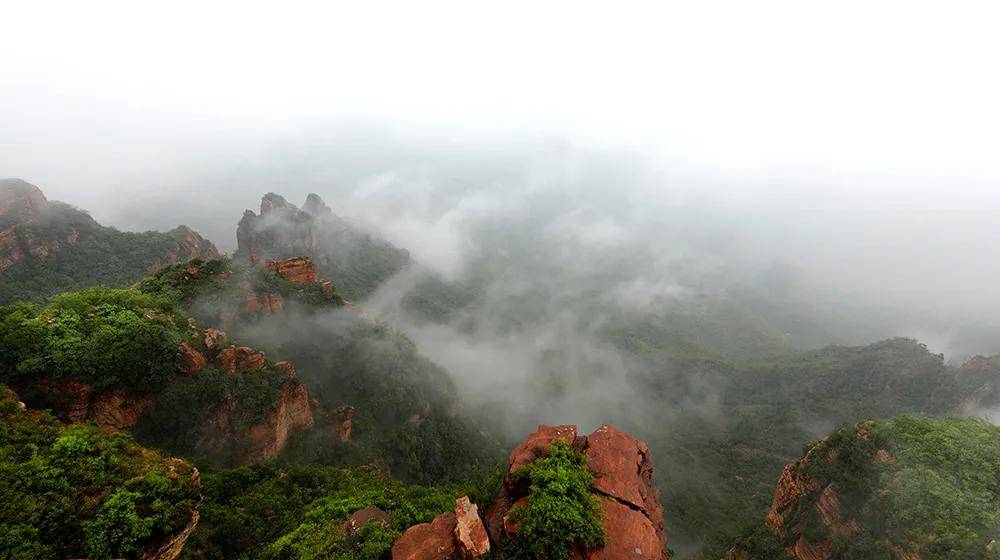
(622, 470)
(355, 260)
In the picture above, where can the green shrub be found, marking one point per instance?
(560, 510)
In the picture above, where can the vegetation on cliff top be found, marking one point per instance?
(70, 491)
(295, 513)
(560, 511)
(106, 338)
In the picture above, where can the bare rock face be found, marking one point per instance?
(297, 270)
(623, 471)
(470, 534)
(263, 303)
(192, 361)
(118, 410)
(76, 402)
(537, 445)
(292, 413)
(793, 486)
(188, 245)
(241, 358)
(428, 541)
(214, 339)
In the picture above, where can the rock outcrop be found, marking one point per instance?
(297, 270)
(356, 260)
(112, 411)
(428, 541)
(470, 535)
(291, 413)
(622, 470)
(188, 245)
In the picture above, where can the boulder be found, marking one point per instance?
(192, 361)
(238, 359)
(470, 534)
(362, 517)
(428, 541)
(214, 339)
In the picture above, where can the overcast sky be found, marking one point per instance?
(879, 116)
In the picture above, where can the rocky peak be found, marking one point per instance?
(273, 202)
(315, 206)
(17, 194)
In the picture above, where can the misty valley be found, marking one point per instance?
(567, 390)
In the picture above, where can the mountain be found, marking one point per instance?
(902, 489)
(71, 491)
(47, 247)
(377, 400)
(355, 260)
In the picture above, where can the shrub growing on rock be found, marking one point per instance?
(560, 511)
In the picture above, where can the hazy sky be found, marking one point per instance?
(858, 138)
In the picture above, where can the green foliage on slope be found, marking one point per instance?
(70, 491)
(107, 338)
(296, 513)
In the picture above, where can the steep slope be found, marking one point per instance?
(906, 489)
(47, 247)
(72, 492)
(377, 400)
(355, 260)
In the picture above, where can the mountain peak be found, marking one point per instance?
(273, 202)
(315, 206)
(19, 194)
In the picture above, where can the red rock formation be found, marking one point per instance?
(428, 541)
(192, 361)
(341, 421)
(188, 245)
(291, 413)
(794, 485)
(241, 358)
(622, 469)
(214, 339)
(297, 270)
(287, 368)
(537, 445)
(119, 410)
(470, 535)
(112, 411)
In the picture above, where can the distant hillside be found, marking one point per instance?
(47, 247)
(903, 489)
